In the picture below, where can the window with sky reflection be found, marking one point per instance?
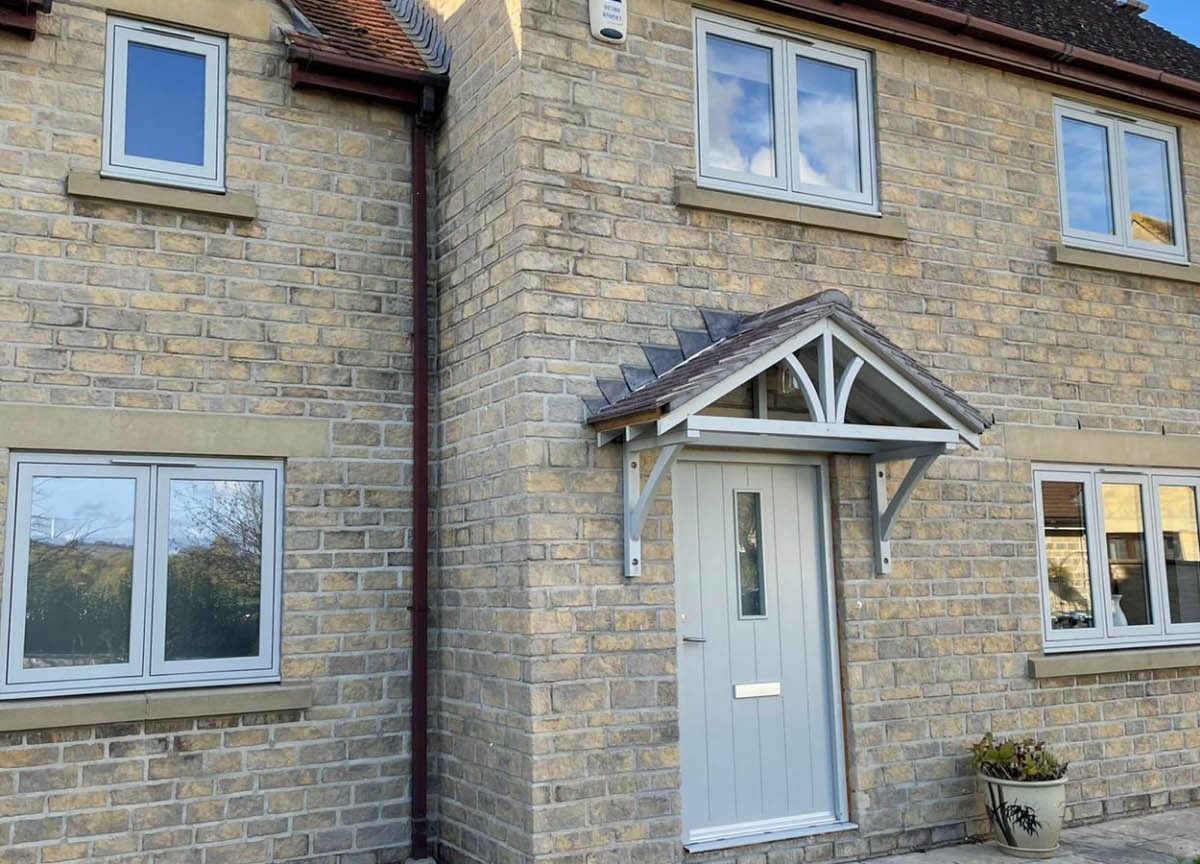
(1089, 188)
(741, 121)
(827, 103)
(164, 106)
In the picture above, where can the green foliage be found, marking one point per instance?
(78, 603)
(213, 601)
(80, 589)
(1021, 759)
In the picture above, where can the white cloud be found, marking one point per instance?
(739, 140)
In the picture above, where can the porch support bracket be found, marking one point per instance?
(637, 500)
(884, 511)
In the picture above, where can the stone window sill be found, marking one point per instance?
(1074, 257)
(691, 196)
(230, 205)
(90, 710)
(1103, 662)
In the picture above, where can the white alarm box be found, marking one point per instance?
(608, 19)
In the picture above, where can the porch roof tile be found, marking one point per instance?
(737, 342)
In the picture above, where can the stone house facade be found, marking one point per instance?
(590, 221)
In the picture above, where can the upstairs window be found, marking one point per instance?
(1119, 184)
(164, 106)
(783, 116)
(1120, 557)
(133, 573)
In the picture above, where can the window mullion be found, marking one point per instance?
(1156, 563)
(868, 146)
(148, 640)
(1175, 183)
(1099, 553)
(1120, 177)
(791, 118)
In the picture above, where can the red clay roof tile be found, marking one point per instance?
(359, 29)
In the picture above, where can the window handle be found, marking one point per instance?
(791, 37)
(142, 462)
(147, 29)
(694, 639)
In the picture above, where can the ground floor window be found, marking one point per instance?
(128, 573)
(1120, 556)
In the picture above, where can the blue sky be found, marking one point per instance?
(1181, 17)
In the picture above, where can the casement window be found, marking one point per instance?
(164, 105)
(784, 116)
(1119, 183)
(135, 573)
(1119, 556)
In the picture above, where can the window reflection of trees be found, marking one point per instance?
(749, 550)
(214, 569)
(80, 576)
(1067, 563)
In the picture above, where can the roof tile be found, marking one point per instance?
(1102, 26)
(743, 340)
(359, 29)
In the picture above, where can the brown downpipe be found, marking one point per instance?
(420, 542)
(420, 94)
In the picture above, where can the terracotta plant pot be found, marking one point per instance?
(1026, 817)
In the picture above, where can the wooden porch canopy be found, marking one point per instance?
(811, 376)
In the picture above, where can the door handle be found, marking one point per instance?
(694, 639)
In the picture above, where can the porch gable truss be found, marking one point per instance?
(808, 377)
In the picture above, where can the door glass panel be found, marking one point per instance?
(80, 585)
(1125, 536)
(1181, 551)
(1086, 176)
(214, 569)
(164, 104)
(827, 116)
(749, 554)
(1064, 531)
(1147, 167)
(741, 113)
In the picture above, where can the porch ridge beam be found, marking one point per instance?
(826, 372)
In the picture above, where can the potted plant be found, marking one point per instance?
(1025, 793)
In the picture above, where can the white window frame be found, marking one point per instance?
(1122, 241)
(1105, 635)
(210, 176)
(785, 49)
(147, 668)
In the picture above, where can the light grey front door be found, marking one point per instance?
(758, 695)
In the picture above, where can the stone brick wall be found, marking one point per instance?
(483, 747)
(303, 312)
(935, 653)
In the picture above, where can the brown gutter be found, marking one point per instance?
(405, 94)
(20, 16)
(956, 34)
(345, 65)
(30, 6)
